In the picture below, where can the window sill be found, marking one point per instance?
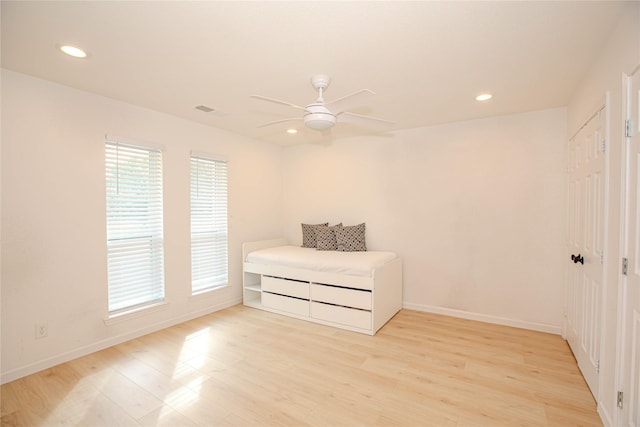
(138, 312)
(209, 291)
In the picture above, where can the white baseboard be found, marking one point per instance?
(111, 341)
(541, 327)
(40, 365)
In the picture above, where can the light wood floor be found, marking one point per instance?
(242, 367)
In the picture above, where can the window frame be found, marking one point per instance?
(206, 243)
(135, 226)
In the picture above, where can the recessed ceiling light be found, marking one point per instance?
(292, 131)
(73, 51)
(484, 97)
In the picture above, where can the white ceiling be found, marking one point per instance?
(425, 60)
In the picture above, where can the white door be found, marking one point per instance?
(631, 281)
(585, 245)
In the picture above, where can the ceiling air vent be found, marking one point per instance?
(205, 108)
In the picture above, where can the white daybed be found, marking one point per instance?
(358, 291)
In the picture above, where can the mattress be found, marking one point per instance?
(350, 263)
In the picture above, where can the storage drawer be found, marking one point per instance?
(290, 305)
(342, 315)
(285, 287)
(341, 296)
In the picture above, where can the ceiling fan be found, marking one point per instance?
(321, 115)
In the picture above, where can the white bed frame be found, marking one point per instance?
(357, 303)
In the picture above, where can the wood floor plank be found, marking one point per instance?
(245, 367)
(165, 416)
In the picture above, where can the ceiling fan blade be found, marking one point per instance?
(360, 117)
(277, 101)
(335, 103)
(290, 119)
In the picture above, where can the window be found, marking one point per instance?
(134, 227)
(209, 251)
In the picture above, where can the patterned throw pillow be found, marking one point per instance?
(351, 238)
(326, 237)
(309, 234)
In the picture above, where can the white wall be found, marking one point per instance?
(621, 54)
(476, 209)
(53, 217)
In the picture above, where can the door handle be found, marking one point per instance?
(577, 259)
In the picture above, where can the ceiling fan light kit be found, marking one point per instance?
(317, 115)
(319, 118)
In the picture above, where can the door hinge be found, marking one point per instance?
(603, 145)
(601, 257)
(598, 367)
(625, 266)
(620, 399)
(627, 128)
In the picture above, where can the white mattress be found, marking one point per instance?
(351, 263)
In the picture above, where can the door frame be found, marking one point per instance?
(621, 332)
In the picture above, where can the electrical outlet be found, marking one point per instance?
(41, 330)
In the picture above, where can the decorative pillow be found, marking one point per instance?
(309, 234)
(326, 237)
(351, 238)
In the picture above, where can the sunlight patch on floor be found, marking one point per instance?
(192, 357)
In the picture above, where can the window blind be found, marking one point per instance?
(134, 227)
(209, 250)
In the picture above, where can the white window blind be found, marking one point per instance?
(209, 253)
(134, 227)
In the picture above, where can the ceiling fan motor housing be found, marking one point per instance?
(319, 117)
